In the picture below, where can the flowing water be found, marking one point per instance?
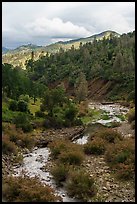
(82, 140)
(113, 111)
(32, 164)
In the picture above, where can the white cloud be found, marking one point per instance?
(55, 28)
(47, 22)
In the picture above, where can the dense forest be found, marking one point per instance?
(111, 59)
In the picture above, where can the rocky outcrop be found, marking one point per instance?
(46, 136)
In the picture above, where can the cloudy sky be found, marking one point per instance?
(43, 23)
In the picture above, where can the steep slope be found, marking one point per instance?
(98, 89)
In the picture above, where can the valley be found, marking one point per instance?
(68, 121)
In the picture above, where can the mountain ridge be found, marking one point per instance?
(19, 55)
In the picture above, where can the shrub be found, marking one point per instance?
(125, 172)
(71, 157)
(22, 106)
(53, 122)
(96, 146)
(56, 147)
(122, 157)
(25, 189)
(60, 172)
(70, 113)
(40, 114)
(78, 121)
(109, 135)
(24, 98)
(131, 115)
(66, 151)
(8, 147)
(26, 127)
(22, 121)
(13, 105)
(80, 185)
(18, 138)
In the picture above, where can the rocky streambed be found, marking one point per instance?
(32, 166)
(109, 189)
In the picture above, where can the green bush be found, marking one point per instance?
(25, 189)
(70, 113)
(26, 127)
(80, 185)
(96, 146)
(13, 105)
(23, 121)
(24, 98)
(22, 106)
(40, 114)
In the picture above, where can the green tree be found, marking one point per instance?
(53, 98)
(81, 87)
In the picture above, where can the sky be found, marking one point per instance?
(43, 23)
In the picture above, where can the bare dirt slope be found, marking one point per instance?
(99, 88)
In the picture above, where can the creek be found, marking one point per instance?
(114, 113)
(34, 161)
(32, 166)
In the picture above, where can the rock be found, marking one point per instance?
(88, 165)
(104, 188)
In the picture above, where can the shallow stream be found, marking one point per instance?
(34, 161)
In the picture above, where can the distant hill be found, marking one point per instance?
(5, 50)
(18, 56)
(68, 44)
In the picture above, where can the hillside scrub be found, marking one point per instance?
(131, 115)
(66, 151)
(108, 134)
(80, 185)
(13, 139)
(60, 172)
(121, 158)
(25, 189)
(97, 147)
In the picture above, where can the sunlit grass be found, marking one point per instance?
(92, 115)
